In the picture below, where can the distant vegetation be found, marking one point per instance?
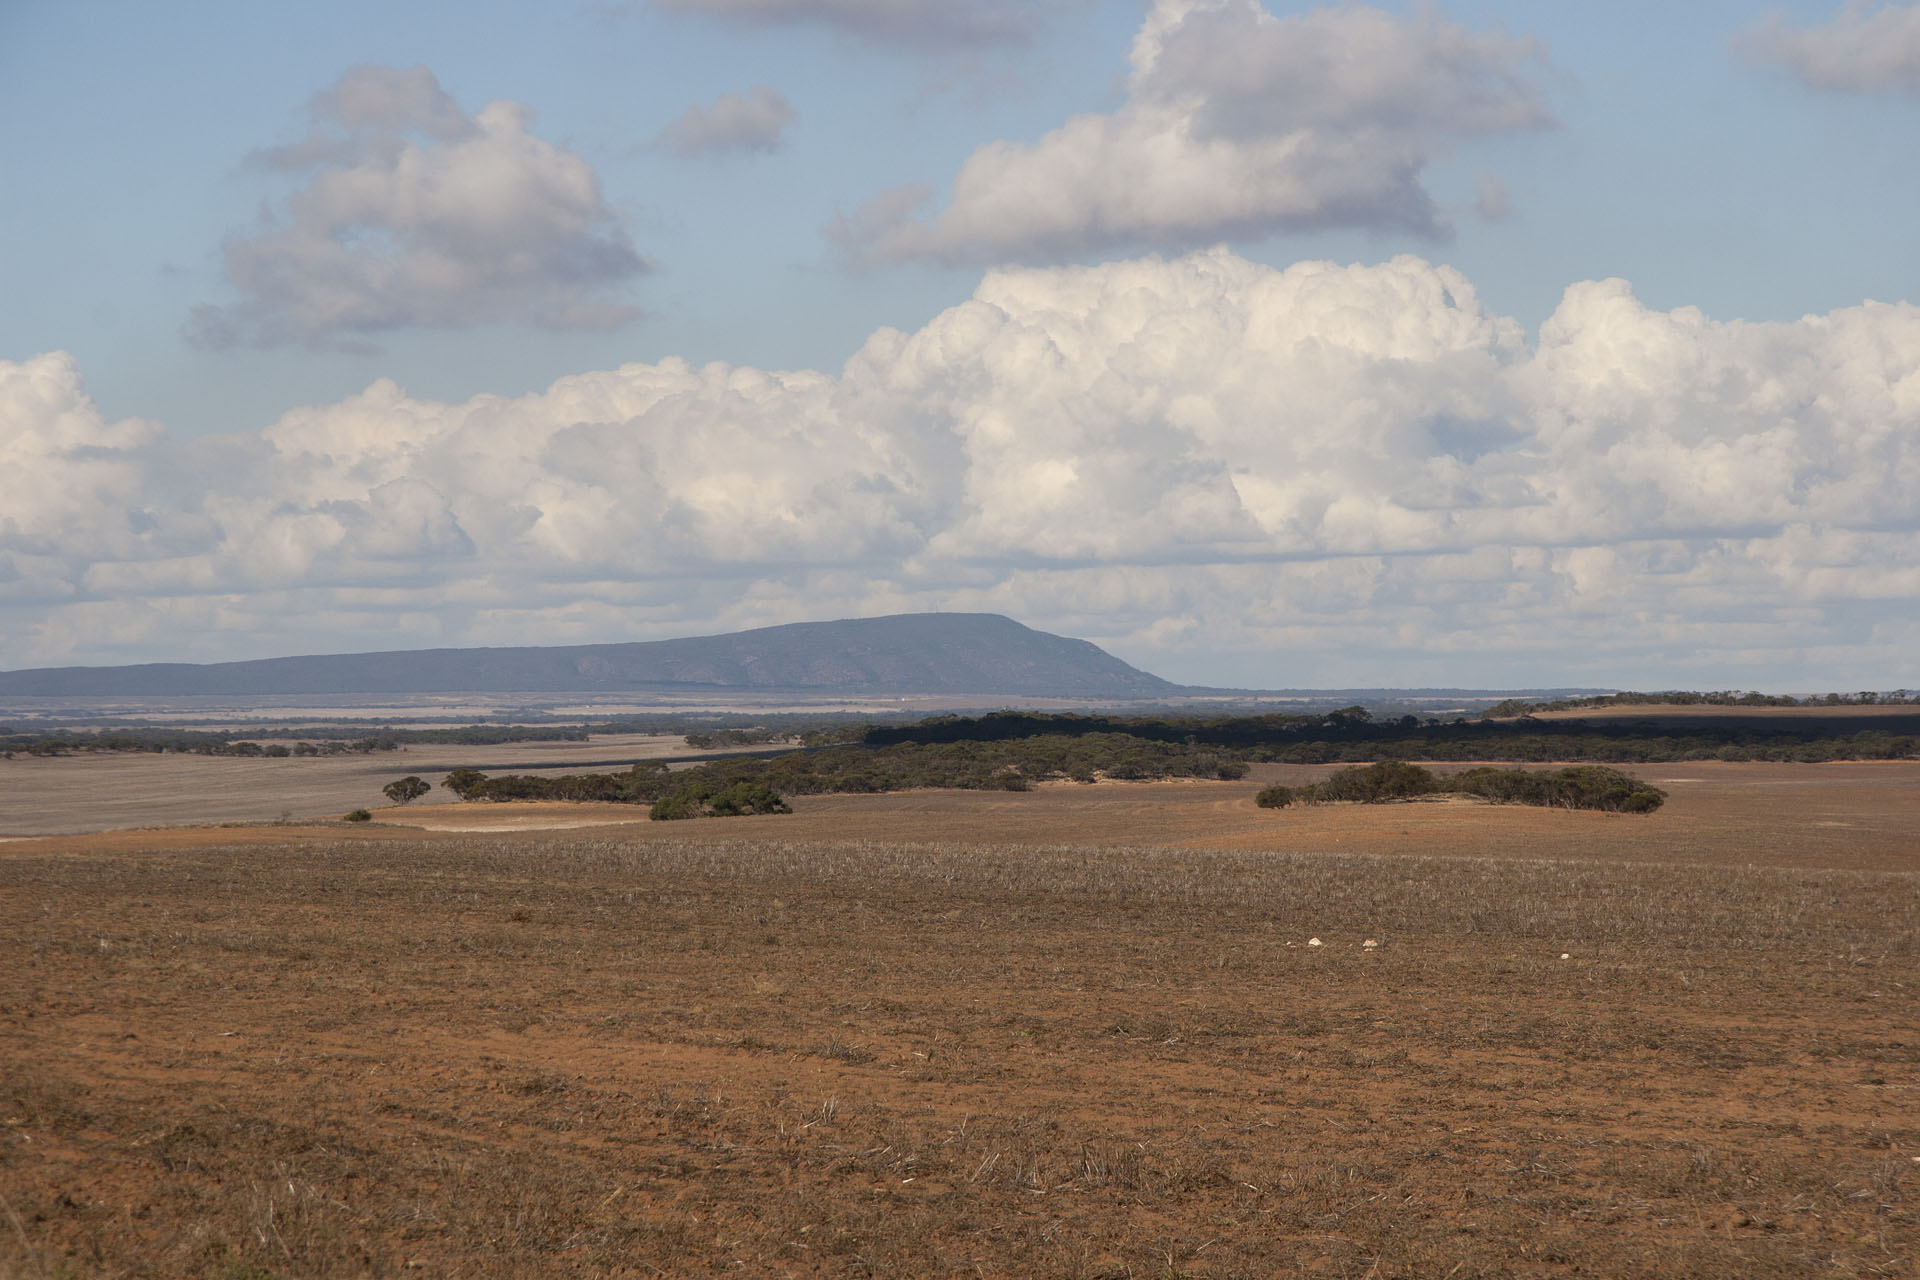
(1352, 736)
(1728, 698)
(1010, 765)
(1579, 787)
(1347, 735)
(191, 742)
(715, 738)
(1013, 750)
(306, 740)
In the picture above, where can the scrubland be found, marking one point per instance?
(918, 1036)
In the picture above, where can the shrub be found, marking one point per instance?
(1275, 797)
(360, 815)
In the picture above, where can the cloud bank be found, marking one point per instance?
(1236, 124)
(417, 214)
(1861, 51)
(1326, 474)
(752, 121)
(931, 25)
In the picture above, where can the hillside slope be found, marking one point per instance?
(921, 653)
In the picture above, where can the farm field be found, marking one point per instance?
(53, 795)
(1080, 1031)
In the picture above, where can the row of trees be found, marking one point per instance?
(303, 740)
(184, 742)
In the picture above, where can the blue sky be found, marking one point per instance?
(706, 180)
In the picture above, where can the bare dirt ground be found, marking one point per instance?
(1076, 1032)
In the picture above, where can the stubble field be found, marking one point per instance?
(1077, 1032)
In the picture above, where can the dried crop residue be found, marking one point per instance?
(926, 1047)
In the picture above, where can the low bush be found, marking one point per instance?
(1275, 797)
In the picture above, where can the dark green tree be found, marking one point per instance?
(407, 789)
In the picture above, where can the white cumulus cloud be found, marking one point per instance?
(751, 121)
(415, 214)
(1237, 123)
(1323, 474)
(1863, 50)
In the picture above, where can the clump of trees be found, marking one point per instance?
(1577, 787)
(408, 789)
(706, 799)
(1375, 784)
(1587, 786)
(708, 740)
(642, 784)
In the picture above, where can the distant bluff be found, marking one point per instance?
(908, 653)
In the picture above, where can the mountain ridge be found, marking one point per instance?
(917, 653)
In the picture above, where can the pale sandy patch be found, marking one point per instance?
(525, 824)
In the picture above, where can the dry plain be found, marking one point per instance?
(1075, 1032)
(92, 792)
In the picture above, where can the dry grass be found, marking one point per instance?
(664, 1056)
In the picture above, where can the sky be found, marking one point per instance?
(1267, 345)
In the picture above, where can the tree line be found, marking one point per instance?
(1352, 736)
(309, 740)
(1006, 765)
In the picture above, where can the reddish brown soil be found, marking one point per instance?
(1850, 816)
(1076, 1032)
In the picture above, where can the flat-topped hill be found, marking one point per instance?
(925, 653)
